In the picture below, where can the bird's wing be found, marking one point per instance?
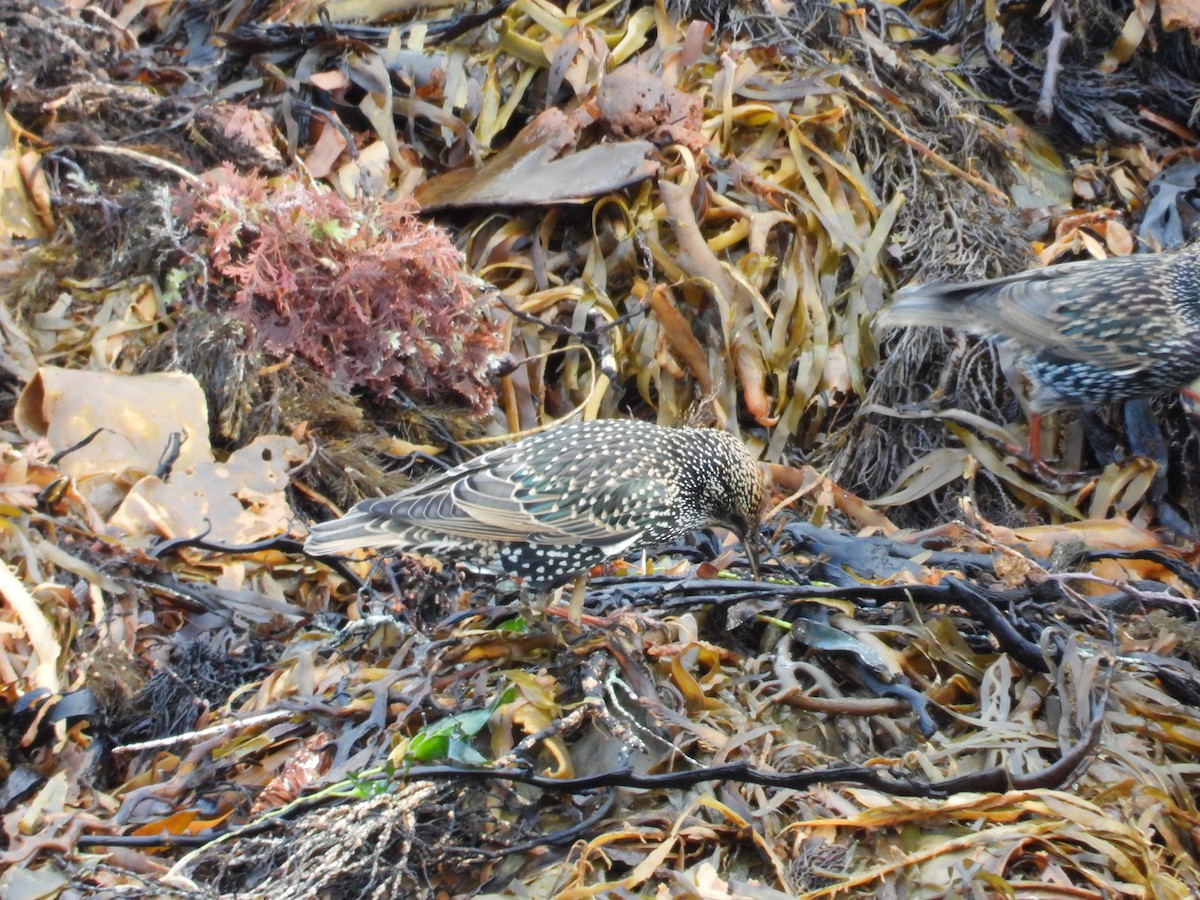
(1052, 310)
(1055, 316)
(570, 509)
(435, 504)
(499, 498)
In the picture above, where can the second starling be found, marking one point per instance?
(549, 507)
(1083, 333)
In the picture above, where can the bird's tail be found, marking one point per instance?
(354, 531)
(937, 305)
(934, 305)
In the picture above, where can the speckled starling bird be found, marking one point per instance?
(1083, 333)
(553, 505)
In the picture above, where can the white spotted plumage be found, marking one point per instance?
(1084, 333)
(555, 504)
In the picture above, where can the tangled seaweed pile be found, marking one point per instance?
(961, 675)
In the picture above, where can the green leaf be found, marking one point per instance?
(450, 738)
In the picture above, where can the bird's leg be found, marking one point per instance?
(1016, 380)
(1033, 453)
(1037, 459)
(1035, 438)
(750, 542)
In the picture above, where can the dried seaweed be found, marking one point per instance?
(752, 196)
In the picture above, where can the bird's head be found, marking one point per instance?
(734, 493)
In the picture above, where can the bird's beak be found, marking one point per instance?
(750, 542)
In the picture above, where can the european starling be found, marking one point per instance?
(1083, 333)
(553, 505)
